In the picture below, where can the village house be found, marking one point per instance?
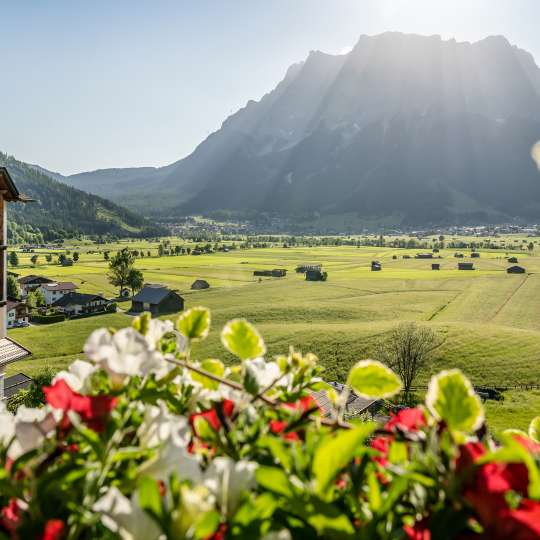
(200, 284)
(513, 260)
(31, 283)
(16, 314)
(10, 350)
(15, 384)
(55, 290)
(157, 299)
(515, 270)
(74, 303)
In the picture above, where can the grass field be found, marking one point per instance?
(490, 320)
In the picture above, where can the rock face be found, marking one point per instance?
(425, 130)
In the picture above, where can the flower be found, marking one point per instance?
(407, 420)
(214, 416)
(7, 425)
(419, 531)
(265, 373)
(301, 406)
(10, 516)
(382, 445)
(77, 376)
(160, 425)
(227, 480)
(125, 517)
(93, 410)
(54, 530)
(125, 353)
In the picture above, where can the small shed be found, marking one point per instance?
(475, 255)
(316, 275)
(200, 284)
(515, 270)
(458, 255)
(406, 256)
(394, 257)
(435, 266)
(157, 299)
(513, 260)
(424, 256)
(376, 266)
(465, 266)
(67, 262)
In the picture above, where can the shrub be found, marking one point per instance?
(47, 319)
(142, 440)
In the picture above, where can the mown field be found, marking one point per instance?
(490, 320)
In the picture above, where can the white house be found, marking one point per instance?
(10, 350)
(16, 313)
(74, 303)
(56, 290)
(31, 283)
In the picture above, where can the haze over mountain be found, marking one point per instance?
(412, 127)
(59, 210)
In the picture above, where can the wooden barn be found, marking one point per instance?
(316, 275)
(435, 266)
(424, 256)
(200, 284)
(475, 255)
(157, 299)
(376, 266)
(515, 270)
(513, 260)
(465, 266)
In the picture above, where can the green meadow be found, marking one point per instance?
(490, 320)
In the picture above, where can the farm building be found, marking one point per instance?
(31, 283)
(424, 256)
(465, 266)
(67, 262)
(303, 268)
(513, 260)
(316, 275)
(200, 284)
(376, 266)
(16, 313)
(75, 303)
(435, 266)
(435, 250)
(157, 299)
(10, 351)
(458, 255)
(394, 257)
(55, 290)
(406, 256)
(276, 272)
(475, 255)
(515, 270)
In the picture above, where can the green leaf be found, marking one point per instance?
(194, 323)
(335, 452)
(451, 397)
(142, 323)
(371, 379)
(275, 480)
(534, 429)
(242, 339)
(150, 499)
(278, 449)
(213, 366)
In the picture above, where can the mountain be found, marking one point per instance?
(61, 210)
(407, 127)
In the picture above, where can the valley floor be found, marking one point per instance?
(490, 320)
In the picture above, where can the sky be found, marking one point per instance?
(121, 83)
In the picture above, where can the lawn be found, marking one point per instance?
(490, 320)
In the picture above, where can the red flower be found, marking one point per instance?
(278, 427)
(93, 410)
(10, 517)
(407, 420)
(226, 408)
(382, 444)
(219, 534)
(54, 530)
(303, 405)
(419, 531)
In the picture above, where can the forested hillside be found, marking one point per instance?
(61, 211)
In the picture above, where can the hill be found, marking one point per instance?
(63, 211)
(406, 127)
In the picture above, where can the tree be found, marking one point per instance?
(161, 250)
(75, 256)
(408, 351)
(135, 280)
(530, 247)
(13, 258)
(106, 255)
(177, 250)
(62, 258)
(34, 259)
(35, 299)
(48, 258)
(12, 287)
(120, 267)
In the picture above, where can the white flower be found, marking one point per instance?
(123, 354)
(160, 426)
(78, 376)
(173, 457)
(125, 517)
(32, 426)
(284, 534)
(7, 425)
(195, 503)
(156, 330)
(265, 373)
(228, 479)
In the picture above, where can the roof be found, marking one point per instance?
(77, 299)
(152, 294)
(15, 383)
(355, 404)
(60, 286)
(34, 279)
(200, 283)
(8, 186)
(515, 267)
(12, 304)
(10, 351)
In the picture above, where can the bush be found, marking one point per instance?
(144, 441)
(47, 319)
(112, 307)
